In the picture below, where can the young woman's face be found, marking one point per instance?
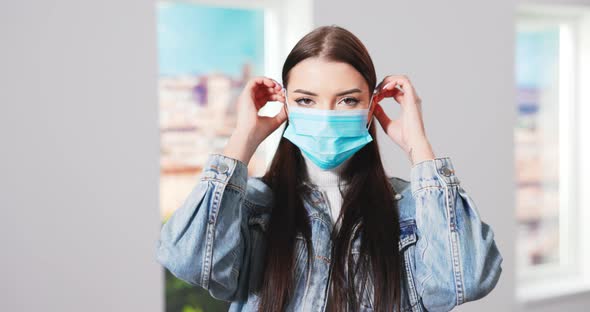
(321, 84)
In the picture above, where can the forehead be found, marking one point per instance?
(324, 76)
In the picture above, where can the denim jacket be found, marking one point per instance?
(215, 240)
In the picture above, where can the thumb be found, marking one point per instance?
(280, 117)
(382, 117)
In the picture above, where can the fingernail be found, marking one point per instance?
(385, 86)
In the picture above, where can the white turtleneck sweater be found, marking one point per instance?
(327, 182)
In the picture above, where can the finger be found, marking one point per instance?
(399, 88)
(261, 83)
(382, 117)
(276, 97)
(379, 91)
(263, 91)
(277, 86)
(401, 79)
(265, 81)
(281, 116)
(260, 90)
(395, 93)
(268, 97)
(270, 83)
(277, 120)
(402, 82)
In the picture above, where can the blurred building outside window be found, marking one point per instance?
(551, 71)
(207, 51)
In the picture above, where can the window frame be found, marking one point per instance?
(570, 275)
(285, 22)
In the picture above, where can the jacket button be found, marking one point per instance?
(223, 168)
(446, 171)
(398, 196)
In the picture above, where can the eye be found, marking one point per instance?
(350, 101)
(303, 99)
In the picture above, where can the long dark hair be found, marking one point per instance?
(367, 203)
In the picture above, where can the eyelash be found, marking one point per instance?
(355, 101)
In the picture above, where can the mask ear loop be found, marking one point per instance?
(287, 105)
(370, 105)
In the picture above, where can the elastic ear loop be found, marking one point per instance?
(287, 105)
(371, 104)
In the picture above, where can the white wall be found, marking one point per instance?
(80, 149)
(459, 55)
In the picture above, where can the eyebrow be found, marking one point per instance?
(337, 94)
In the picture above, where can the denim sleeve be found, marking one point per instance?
(203, 242)
(456, 257)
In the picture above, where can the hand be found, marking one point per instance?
(408, 130)
(257, 92)
(252, 129)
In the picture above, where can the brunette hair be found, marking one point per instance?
(368, 202)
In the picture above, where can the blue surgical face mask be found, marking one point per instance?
(328, 137)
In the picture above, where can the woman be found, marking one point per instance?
(325, 229)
